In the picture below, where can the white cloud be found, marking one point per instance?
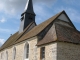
(1, 41)
(11, 6)
(2, 20)
(16, 6)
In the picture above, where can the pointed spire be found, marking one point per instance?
(29, 7)
(27, 17)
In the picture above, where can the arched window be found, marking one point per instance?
(26, 51)
(1, 55)
(6, 55)
(14, 53)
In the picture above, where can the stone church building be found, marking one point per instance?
(55, 39)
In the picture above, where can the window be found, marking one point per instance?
(26, 51)
(14, 53)
(6, 55)
(42, 53)
(1, 55)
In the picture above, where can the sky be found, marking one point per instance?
(11, 10)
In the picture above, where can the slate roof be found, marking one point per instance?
(9, 41)
(63, 34)
(16, 38)
(37, 29)
(67, 34)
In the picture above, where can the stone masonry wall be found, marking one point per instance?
(3, 53)
(20, 50)
(50, 51)
(53, 51)
(68, 51)
(33, 49)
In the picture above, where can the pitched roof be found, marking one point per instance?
(16, 38)
(12, 39)
(9, 41)
(63, 34)
(37, 29)
(49, 37)
(67, 34)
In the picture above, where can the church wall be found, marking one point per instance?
(50, 51)
(20, 50)
(10, 53)
(3, 53)
(68, 51)
(33, 49)
(34, 54)
(38, 53)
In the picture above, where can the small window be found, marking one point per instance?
(1, 55)
(14, 53)
(42, 52)
(6, 55)
(27, 52)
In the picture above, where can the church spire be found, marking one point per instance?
(27, 17)
(29, 7)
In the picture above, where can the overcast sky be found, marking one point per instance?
(10, 13)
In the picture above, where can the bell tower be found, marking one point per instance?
(27, 17)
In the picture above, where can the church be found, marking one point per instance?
(54, 39)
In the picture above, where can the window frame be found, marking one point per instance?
(6, 55)
(14, 53)
(1, 55)
(42, 53)
(26, 51)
